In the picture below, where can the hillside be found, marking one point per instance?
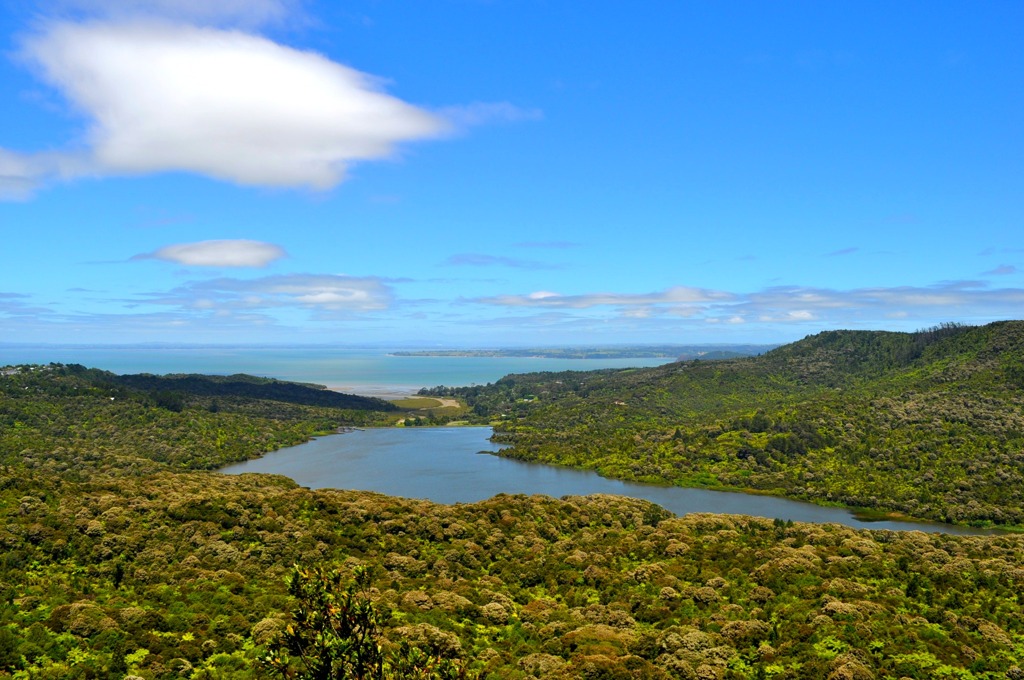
(120, 560)
(81, 421)
(241, 385)
(182, 575)
(929, 424)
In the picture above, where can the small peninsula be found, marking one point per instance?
(673, 352)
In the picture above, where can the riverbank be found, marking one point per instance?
(439, 464)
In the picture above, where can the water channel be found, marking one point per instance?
(444, 465)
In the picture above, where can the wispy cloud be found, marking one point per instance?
(1001, 270)
(672, 296)
(841, 252)
(21, 174)
(159, 326)
(553, 245)
(951, 300)
(332, 305)
(218, 310)
(790, 304)
(18, 175)
(481, 260)
(308, 291)
(223, 253)
(992, 250)
(248, 13)
(485, 113)
(14, 305)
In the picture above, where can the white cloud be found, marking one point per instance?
(20, 174)
(638, 313)
(793, 305)
(224, 253)
(222, 103)
(784, 316)
(311, 291)
(676, 294)
(940, 302)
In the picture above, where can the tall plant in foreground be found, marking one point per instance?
(336, 632)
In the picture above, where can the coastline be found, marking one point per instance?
(386, 392)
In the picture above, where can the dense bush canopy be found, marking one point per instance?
(928, 424)
(123, 556)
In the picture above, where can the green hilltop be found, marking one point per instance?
(928, 424)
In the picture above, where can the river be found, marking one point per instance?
(444, 465)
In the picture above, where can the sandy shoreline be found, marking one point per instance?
(378, 391)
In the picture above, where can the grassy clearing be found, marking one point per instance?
(429, 410)
(417, 403)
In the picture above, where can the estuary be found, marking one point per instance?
(445, 465)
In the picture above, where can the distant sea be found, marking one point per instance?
(372, 372)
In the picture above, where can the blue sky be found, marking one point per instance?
(506, 172)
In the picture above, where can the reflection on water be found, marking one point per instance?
(443, 465)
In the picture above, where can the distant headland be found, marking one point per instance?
(677, 352)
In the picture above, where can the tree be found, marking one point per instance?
(10, 658)
(336, 633)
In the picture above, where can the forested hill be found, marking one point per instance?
(929, 424)
(121, 559)
(949, 351)
(178, 389)
(79, 421)
(248, 386)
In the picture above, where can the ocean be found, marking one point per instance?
(371, 372)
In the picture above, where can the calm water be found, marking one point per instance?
(444, 465)
(439, 464)
(362, 371)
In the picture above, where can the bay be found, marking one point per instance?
(372, 372)
(444, 465)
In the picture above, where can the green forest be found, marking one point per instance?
(126, 555)
(927, 425)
